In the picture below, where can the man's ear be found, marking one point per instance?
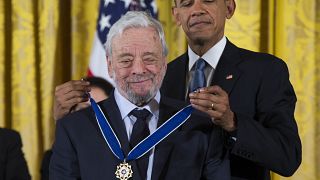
(176, 15)
(165, 63)
(231, 7)
(110, 70)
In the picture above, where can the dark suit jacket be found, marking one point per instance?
(44, 171)
(263, 101)
(80, 151)
(12, 163)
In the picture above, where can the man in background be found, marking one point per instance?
(13, 166)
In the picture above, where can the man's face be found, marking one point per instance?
(203, 20)
(137, 64)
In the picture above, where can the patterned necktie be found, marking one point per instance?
(139, 132)
(199, 79)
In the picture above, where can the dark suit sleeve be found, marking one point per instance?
(270, 138)
(16, 166)
(64, 163)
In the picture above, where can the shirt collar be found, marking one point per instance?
(125, 106)
(212, 56)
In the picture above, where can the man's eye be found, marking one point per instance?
(185, 4)
(149, 61)
(125, 63)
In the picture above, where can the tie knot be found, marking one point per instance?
(140, 114)
(200, 64)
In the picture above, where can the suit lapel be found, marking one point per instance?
(227, 72)
(112, 113)
(168, 107)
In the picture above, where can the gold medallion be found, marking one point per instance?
(124, 171)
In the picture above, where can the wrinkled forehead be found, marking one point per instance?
(140, 36)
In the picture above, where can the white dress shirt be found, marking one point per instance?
(125, 107)
(212, 57)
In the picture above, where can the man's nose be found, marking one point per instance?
(138, 66)
(197, 8)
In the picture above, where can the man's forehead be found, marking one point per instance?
(137, 47)
(140, 48)
(139, 37)
(137, 33)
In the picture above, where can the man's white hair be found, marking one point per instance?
(135, 19)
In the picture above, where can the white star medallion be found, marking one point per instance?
(124, 171)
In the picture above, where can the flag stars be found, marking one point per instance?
(143, 4)
(106, 2)
(104, 22)
(154, 6)
(126, 3)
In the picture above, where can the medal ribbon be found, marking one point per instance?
(149, 142)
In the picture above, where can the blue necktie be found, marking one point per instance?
(199, 79)
(140, 131)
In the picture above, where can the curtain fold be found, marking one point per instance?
(24, 79)
(244, 27)
(47, 37)
(296, 40)
(175, 36)
(84, 16)
(2, 63)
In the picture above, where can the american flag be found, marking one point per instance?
(109, 12)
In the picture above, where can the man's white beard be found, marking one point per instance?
(138, 100)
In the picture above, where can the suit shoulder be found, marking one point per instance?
(262, 61)
(9, 134)
(76, 117)
(260, 56)
(82, 116)
(179, 61)
(9, 139)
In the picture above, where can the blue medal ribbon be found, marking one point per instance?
(145, 145)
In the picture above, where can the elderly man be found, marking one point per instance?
(110, 141)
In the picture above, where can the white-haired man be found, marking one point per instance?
(120, 138)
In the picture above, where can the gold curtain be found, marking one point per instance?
(42, 43)
(175, 37)
(2, 65)
(289, 29)
(46, 42)
(297, 40)
(27, 52)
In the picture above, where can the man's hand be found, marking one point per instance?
(68, 96)
(215, 102)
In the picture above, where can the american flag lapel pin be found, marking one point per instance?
(230, 76)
